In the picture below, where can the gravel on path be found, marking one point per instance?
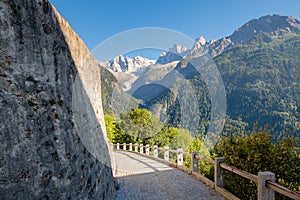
(143, 178)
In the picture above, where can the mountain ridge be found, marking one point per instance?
(281, 32)
(275, 24)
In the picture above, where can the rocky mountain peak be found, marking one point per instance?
(199, 43)
(276, 25)
(201, 40)
(177, 52)
(178, 49)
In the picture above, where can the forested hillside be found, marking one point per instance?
(261, 79)
(262, 82)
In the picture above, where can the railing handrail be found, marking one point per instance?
(211, 161)
(283, 190)
(268, 183)
(240, 172)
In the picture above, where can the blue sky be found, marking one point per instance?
(97, 20)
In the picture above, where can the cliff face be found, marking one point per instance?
(52, 132)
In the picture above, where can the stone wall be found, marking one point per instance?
(52, 132)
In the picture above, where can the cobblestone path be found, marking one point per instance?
(143, 178)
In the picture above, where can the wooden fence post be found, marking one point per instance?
(180, 156)
(155, 151)
(265, 193)
(130, 146)
(195, 162)
(124, 146)
(136, 147)
(219, 178)
(118, 146)
(141, 149)
(166, 153)
(148, 149)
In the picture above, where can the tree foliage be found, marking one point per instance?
(138, 126)
(257, 152)
(254, 152)
(182, 140)
(110, 123)
(108, 84)
(199, 146)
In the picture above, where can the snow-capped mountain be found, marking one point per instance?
(128, 70)
(127, 64)
(175, 53)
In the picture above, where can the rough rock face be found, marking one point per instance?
(45, 152)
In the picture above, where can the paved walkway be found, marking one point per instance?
(142, 178)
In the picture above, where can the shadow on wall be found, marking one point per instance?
(52, 142)
(87, 125)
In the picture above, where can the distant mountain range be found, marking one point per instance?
(259, 64)
(127, 64)
(126, 69)
(175, 53)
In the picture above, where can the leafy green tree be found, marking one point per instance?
(183, 139)
(120, 136)
(110, 123)
(163, 137)
(137, 125)
(199, 146)
(257, 152)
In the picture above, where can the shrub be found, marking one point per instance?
(257, 152)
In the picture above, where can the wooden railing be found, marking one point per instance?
(265, 181)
